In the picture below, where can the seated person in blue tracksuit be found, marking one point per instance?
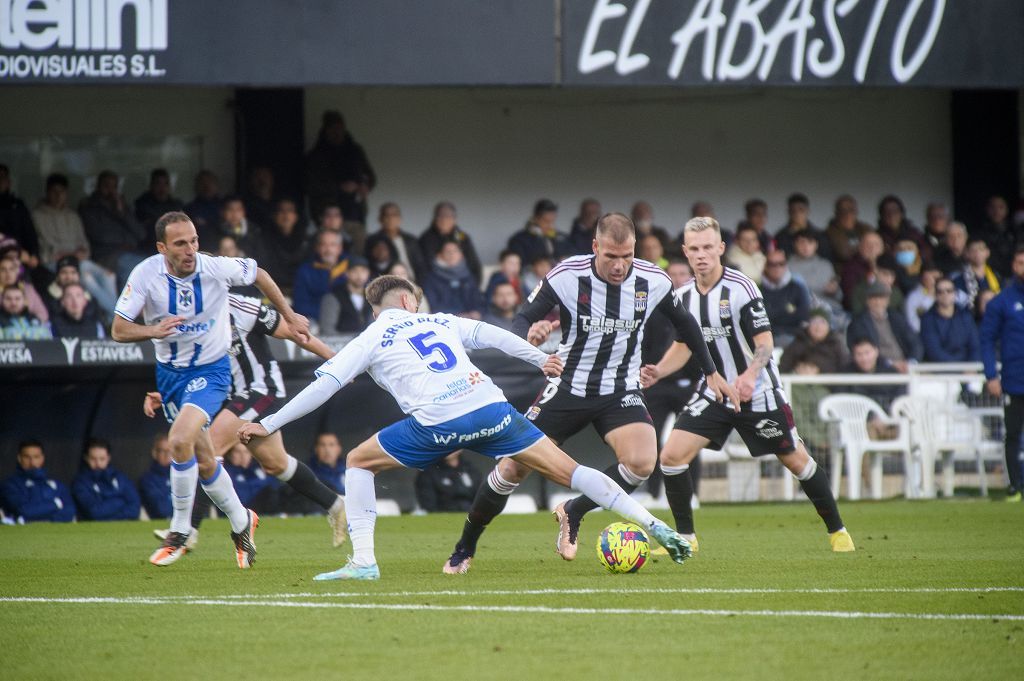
(155, 484)
(101, 491)
(30, 494)
(256, 489)
(327, 463)
(948, 331)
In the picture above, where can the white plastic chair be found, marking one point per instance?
(850, 414)
(521, 504)
(939, 431)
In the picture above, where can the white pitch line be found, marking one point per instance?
(624, 592)
(517, 609)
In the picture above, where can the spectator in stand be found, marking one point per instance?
(451, 287)
(235, 223)
(345, 310)
(260, 201)
(798, 207)
(328, 463)
(999, 234)
(443, 228)
(101, 491)
(256, 489)
(401, 246)
(510, 267)
(756, 211)
(817, 273)
(845, 230)
(539, 269)
(155, 483)
(786, 299)
(936, 222)
(448, 485)
(643, 221)
(338, 171)
(16, 222)
(679, 272)
(861, 266)
(227, 247)
(921, 299)
(204, 208)
(908, 265)
(353, 235)
(893, 225)
(283, 243)
(61, 235)
(886, 328)
(1003, 326)
(115, 237)
(503, 306)
(76, 318)
(540, 236)
(951, 255)
(866, 359)
(68, 274)
(652, 251)
(581, 235)
(153, 203)
(10, 275)
(30, 494)
(948, 331)
(317, 277)
(816, 345)
(745, 254)
(885, 272)
(380, 258)
(976, 276)
(16, 322)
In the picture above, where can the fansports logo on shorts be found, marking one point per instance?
(631, 401)
(768, 429)
(487, 432)
(195, 385)
(532, 413)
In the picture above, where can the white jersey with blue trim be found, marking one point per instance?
(421, 360)
(201, 298)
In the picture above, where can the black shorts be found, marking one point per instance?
(251, 408)
(559, 414)
(764, 432)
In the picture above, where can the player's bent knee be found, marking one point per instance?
(512, 471)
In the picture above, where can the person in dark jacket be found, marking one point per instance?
(345, 310)
(540, 236)
(338, 171)
(448, 485)
(1003, 325)
(204, 208)
(786, 299)
(451, 287)
(155, 483)
(30, 494)
(443, 229)
(115, 236)
(101, 491)
(327, 463)
(886, 328)
(816, 345)
(894, 227)
(401, 246)
(153, 203)
(999, 234)
(581, 235)
(866, 360)
(321, 275)
(16, 221)
(76, 318)
(798, 209)
(282, 246)
(948, 331)
(503, 307)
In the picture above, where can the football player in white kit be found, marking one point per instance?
(182, 295)
(421, 360)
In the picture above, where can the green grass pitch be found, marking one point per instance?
(935, 591)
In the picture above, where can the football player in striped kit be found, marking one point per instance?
(738, 334)
(604, 300)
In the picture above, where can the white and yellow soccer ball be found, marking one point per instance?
(623, 547)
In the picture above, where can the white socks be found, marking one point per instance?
(604, 492)
(289, 469)
(183, 491)
(361, 508)
(500, 484)
(809, 470)
(222, 493)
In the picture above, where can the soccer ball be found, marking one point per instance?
(623, 547)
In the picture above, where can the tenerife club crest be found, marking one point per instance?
(185, 298)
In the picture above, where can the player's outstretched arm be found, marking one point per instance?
(311, 398)
(313, 344)
(124, 331)
(530, 323)
(481, 335)
(267, 286)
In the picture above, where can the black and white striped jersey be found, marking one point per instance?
(731, 313)
(602, 324)
(253, 367)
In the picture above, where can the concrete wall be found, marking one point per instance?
(494, 152)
